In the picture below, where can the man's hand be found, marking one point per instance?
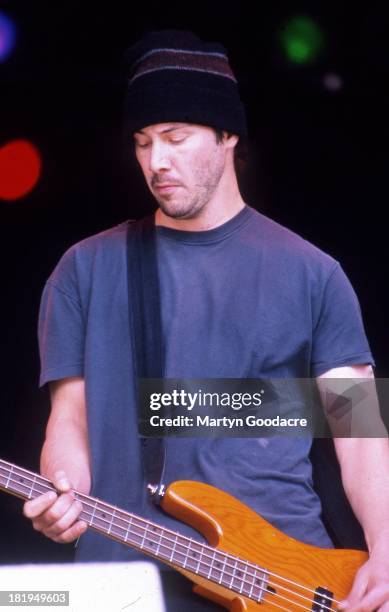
(370, 590)
(55, 515)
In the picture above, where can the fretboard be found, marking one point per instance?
(163, 544)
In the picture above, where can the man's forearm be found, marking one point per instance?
(67, 449)
(365, 475)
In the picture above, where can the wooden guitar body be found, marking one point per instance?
(231, 526)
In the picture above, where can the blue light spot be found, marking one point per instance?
(7, 36)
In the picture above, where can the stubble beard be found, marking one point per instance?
(191, 205)
(183, 208)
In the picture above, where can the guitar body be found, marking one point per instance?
(231, 526)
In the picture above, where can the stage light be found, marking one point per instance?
(301, 39)
(7, 36)
(20, 169)
(333, 82)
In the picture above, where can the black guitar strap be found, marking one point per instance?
(146, 333)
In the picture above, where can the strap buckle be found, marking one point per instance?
(156, 492)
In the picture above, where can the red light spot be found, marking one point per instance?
(20, 169)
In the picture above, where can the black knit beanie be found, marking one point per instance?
(174, 76)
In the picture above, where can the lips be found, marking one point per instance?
(166, 186)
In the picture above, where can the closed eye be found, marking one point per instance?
(172, 141)
(175, 141)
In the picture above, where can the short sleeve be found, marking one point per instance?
(339, 337)
(61, 335)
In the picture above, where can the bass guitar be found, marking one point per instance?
(247, 565)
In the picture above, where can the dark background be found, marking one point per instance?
(318, 164)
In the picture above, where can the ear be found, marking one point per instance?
(230, 140)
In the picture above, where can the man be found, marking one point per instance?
(241, 296)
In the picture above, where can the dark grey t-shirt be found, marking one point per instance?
(247, 299)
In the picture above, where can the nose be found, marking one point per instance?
(159, 157)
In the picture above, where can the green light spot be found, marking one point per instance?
(301, 39)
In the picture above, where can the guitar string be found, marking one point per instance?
(204, 547)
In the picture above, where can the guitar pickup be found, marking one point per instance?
(323, 600)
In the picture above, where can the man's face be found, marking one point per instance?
(182, 164)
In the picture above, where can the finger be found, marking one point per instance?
(54, 513)
(376, 599)
(61, 481)
(37, 506)
(65, 522)
(71, 534)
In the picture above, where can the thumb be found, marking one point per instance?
(61, 481)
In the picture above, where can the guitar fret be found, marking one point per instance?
(211, 565)
(259, 594)
(174, 547)
(9, 477)
(216, 572)
(258, 586)
(254, 590)
(244, 580)
(32, 488)
(187, 554)
(158, 531)
(222, 571)
(162, 551)
(159, 542)
(200, 555)
(144, 537)
(233, 573)
(128, 529)
(263, 585)
(136, 537)
(194, 554)
(199, 563)
(180, 552)
(93, 513)
(110, 524)
(240, 574)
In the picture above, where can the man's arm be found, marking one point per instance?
(364, 464)
(64, 460)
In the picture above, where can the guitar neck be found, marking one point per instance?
(163, 544)
(127, 528)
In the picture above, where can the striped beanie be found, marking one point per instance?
(176, 76)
